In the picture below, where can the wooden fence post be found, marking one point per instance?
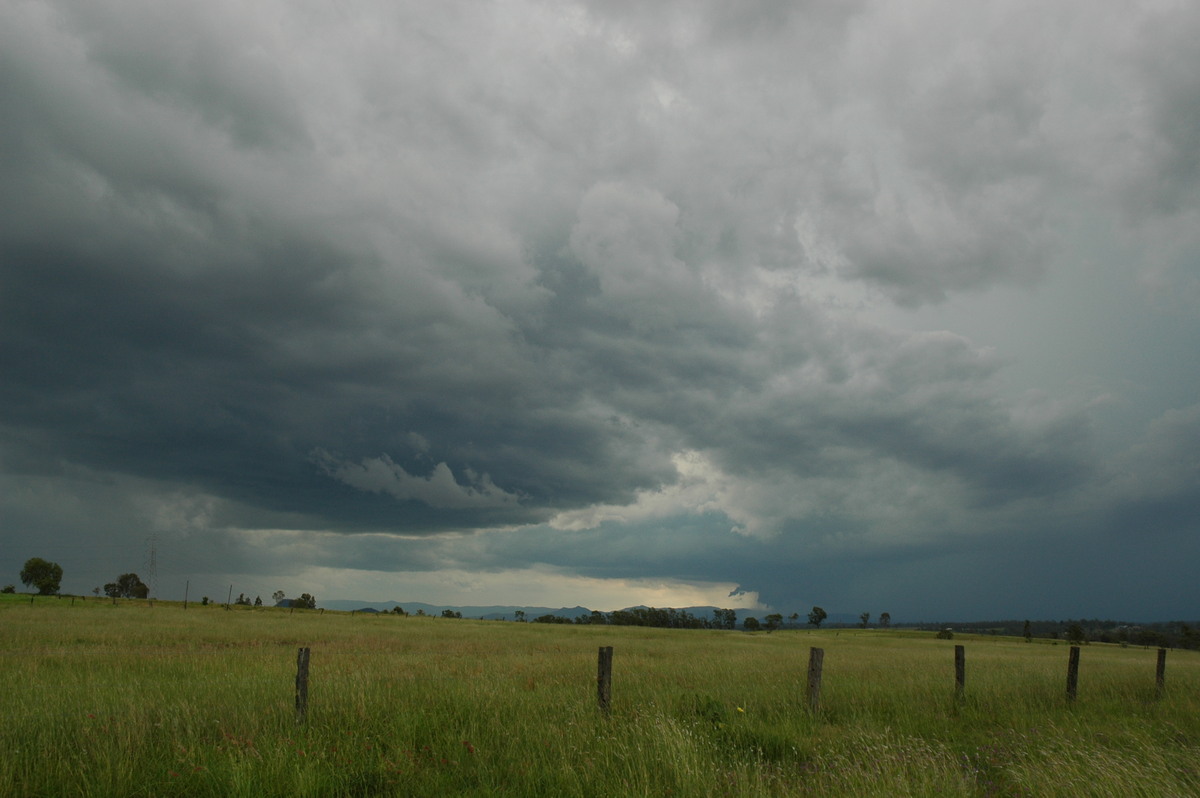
(302, 685)
(1073, 673)
(816, 660)
(604, 678)
(960, 672)
(1160, 673)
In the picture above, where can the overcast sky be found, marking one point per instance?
(882, 306)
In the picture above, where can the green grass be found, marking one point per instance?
(129, 700)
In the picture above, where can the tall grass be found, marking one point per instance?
(129, 700)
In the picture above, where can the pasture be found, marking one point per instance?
(134, 700)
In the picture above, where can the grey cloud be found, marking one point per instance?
(408, 271)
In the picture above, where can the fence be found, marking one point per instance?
(816, 665)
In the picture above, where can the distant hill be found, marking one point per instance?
(487, 613)
(509, 612)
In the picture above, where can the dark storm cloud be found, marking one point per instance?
(631, 291)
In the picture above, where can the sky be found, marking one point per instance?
(881, 307)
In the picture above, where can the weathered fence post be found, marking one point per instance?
(302, 685)
(1160, 673)
(960, 671)
(816, 659)
(604, 678)
(1073, 673)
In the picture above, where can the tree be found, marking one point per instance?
(1075, 632)
(278, 596)
(258, 601)
(519, 616)
(751, 624)
(817, 617)
(725, 619)
(773, 621)
(1028, 631)
(451, 614)
(43, 575)
(9, 589)
(305, 602)
(885, 620)
(864, 620)
(127, 586)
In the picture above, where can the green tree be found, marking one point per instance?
(751, 624)
(817, 617)
(451, 614)
(725, 619)
(1028, 631)
(864, 620)
(305, 602)
(127, 586)
(43, 575)
(885, 620)
(1075, 632)
(519, 616)
(773, 621)
(278, 596)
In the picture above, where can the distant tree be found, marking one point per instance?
(451, 614)
(43, 575)
(397, 610)
(817, 617)
(751, 624)
(242, 600)
(795, 616)
(127, 586)
(519, 616)
(9, 589)
(1075, 632)
(946, 634)
(305, 602)
(1028, 631)
(725, 619)
(773, 621)
(258, 601)
(864, 620)
(885, 620)
(278, 596)
(204, 601)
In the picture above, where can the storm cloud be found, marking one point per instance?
(781, 303)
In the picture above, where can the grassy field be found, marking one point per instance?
(132, 700)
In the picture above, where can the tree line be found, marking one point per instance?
(1168, 634)
(669, 618)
